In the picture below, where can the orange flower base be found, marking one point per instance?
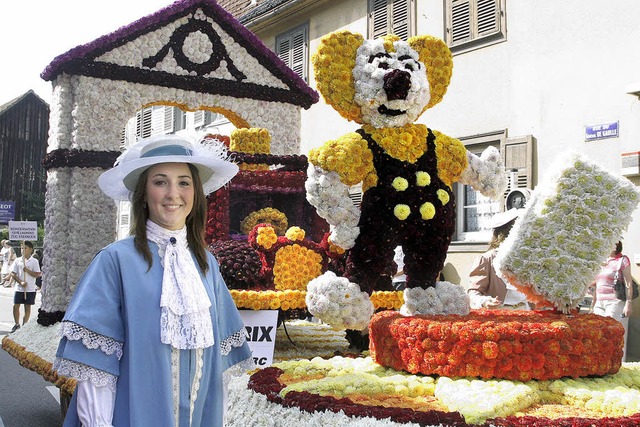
(508, 344)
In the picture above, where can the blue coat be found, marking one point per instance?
(118, 298)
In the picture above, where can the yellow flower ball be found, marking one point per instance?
(266, 237)
(400, 184)
(443, 196)
(427, 210)
(295, 233)
(423, 179)
(401, 211)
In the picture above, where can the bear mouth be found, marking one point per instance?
(389, 112)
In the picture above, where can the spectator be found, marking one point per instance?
(8, 257)
(25, 270)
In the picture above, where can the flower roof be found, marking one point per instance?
(218, 68)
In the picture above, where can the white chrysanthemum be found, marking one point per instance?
(486, 173)
(338, 302)
(573, 219)
(445, 298)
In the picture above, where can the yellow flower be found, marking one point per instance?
(268, 216)
(401, 211)
(443, 196)
(400, 184)
(266, 237)
(251, 140)
(452, 158)
(427, 210)
(423, 179)
(295, 233)
(407, 143)
(348, 156)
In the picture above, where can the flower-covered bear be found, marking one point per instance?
(406, 171)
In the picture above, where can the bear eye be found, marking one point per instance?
(383, 65)
(408, 67)
(378, 55)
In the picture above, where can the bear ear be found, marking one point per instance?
(333, 64)
(437, 58)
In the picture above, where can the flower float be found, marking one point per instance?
(515, 345)
(573, 219)
(252, 141)
(406, 171)
(346, 391)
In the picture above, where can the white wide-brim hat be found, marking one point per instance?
(502, 218)
(210, 158)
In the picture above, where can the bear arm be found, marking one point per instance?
(349, 156)
(452, 158)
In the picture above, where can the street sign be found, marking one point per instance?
(602, 131)
(7, 211)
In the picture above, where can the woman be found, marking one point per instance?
(604, 302)
(8, 257)
(152, 332)
(486, 288)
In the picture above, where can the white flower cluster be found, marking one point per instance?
(570, 225)
(39, 340)
(486, 173)
(338, 302)
(331, 199)
(297, 339)
(444, 298)
(369, 79)
(478, 400)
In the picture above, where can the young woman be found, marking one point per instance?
(152, 333)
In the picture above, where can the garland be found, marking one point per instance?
(266, 215)
(68, 158)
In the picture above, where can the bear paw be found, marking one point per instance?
(338, 302)
(444, 298)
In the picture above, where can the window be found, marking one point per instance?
(293, 47)
(391, 17)
(474, 23)
(202, 118)
(474, 211)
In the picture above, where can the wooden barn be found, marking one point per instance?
(24, 130)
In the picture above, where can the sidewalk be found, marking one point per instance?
(6, 310)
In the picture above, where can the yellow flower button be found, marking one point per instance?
(400, 184)
(427, 210)
(443, 196)
(423, 179)
(401, 212)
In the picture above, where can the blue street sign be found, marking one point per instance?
(7, 211)
(605, 130)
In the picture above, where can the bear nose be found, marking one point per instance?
(397, 84)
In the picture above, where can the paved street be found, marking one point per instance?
(26, 399)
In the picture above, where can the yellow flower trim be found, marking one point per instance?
(348, 156)
(269, 300)
(295, 267)
(268, 216)
(401, 211)
(423, 179)
(438, 60)
(407, 143)
(389, 300)
(252, 141)
(452, 158)
(266, 237)
(295, 233)
(427, 210)
(443, 196)
(400, 184)
(333, 64)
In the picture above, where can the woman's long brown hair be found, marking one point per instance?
(195, 220)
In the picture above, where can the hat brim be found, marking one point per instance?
(505, 217)
(119, 182)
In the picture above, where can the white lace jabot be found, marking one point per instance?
(185, 320)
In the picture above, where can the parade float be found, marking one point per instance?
(431, 362)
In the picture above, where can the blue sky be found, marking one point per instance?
(35, 32)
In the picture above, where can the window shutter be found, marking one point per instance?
(143, 123)
(517, 154)
(283, 50)
(460, 22)
(198, 118)
(378, 18)
(400, 18)
(292, 49)
(488, 17)
(180, 119)
(168, 119)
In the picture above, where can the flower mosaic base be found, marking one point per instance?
(358, 392)
(507, 344)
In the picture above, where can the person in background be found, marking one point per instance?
(25, 270)
(399, 280)
(39, 255)
(604, 301)
(486, 289)
(152, 335)
(8, 257)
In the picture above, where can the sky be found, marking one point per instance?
(32, 34)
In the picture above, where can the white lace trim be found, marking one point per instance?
(175, 383)
(237, 370)
(185, 321)
(91, 340)
(195, 387)
(235, 340)
(82, 372)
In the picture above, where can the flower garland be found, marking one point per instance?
(268, 216)
(360, 388)
(269, 300)
(515, 345)
(251, 140)
(574, 217)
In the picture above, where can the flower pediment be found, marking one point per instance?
(192, 45)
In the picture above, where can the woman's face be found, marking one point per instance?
(169, 194)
